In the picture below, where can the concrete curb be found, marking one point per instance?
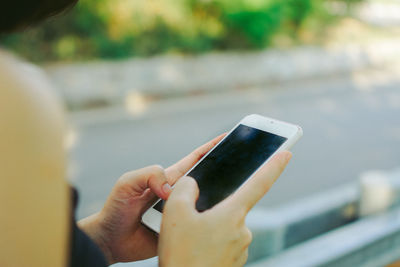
(110, 83)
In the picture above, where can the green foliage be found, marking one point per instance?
(123, 28)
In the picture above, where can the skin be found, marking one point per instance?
(117, 228)
(219, 236)
(118, 231)
(34, 194)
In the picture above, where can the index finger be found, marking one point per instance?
(180, 168)
(258, 185)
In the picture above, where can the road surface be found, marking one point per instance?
(351, 124)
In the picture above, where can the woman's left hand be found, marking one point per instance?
(117, 228)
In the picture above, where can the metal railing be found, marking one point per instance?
(357, 224)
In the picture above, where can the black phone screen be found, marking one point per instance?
(230, 164)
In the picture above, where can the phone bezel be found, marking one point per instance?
(152, 217)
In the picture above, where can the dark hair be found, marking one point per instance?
(18, 14)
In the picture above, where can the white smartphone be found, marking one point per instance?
(234, 160)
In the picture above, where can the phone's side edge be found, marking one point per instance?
(152, 217)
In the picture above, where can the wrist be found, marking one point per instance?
(92, 227)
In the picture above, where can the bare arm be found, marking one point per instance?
(117, 228)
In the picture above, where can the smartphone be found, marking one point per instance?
(234, 160)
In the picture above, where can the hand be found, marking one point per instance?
(117, 228)
(216, 237)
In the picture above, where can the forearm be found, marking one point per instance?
(91, 226)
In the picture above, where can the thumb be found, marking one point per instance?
(184, 195)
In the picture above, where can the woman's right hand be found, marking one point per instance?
(216, 237)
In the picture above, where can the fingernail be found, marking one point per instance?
(166, 188)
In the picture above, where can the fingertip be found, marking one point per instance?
(191, 182)
(283, 157)
(287, 155)
(222, 135)
(184, 194)
(188, 185)
(186, 179)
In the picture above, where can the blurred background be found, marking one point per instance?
(146, 82)
(122, 28)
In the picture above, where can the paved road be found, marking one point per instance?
(351, 124)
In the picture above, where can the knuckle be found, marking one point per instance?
(244, 211)
(156, 172)
(157, 169)
(126, 176)
(247, 236)
(240, 214)
(235, 216)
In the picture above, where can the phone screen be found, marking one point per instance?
(230, 164)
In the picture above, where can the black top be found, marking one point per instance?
(83, 251)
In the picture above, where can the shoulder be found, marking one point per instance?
(33, 192)
(31, 119)
(25, 86)
(28, 104)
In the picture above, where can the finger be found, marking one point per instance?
(247, 237)
(184, 195)
(180, 168)
(152, 177)
(257, 186)
(242, 259)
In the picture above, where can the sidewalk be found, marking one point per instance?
(102, 83)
